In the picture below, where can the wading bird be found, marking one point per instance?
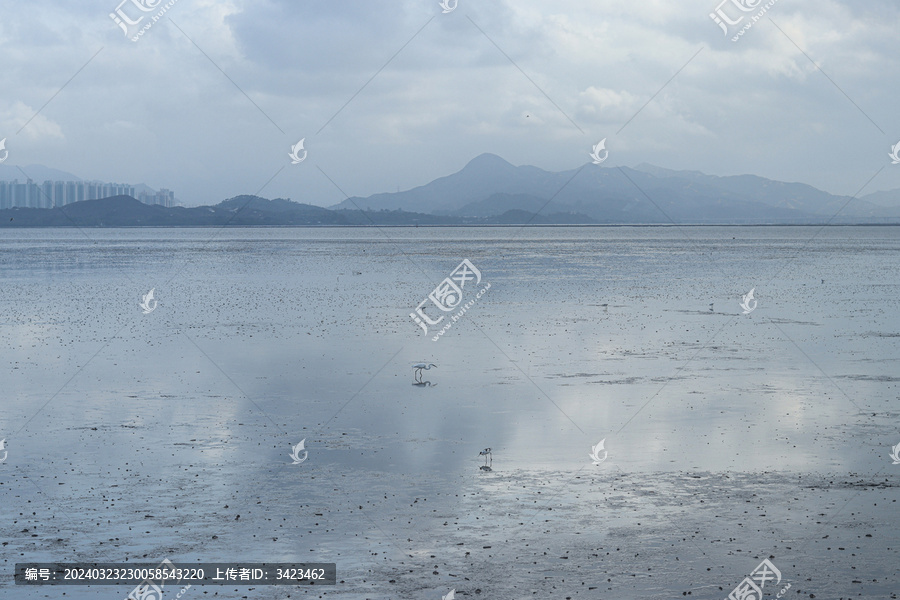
(418, 367)
(486, 453)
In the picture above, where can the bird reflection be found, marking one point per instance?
(417, 375)
(422, 384)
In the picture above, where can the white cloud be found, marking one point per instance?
(160, 111)
(608, 106)
(22, 120)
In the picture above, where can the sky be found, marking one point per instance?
(211, 98)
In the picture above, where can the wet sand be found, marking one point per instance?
(731, 437)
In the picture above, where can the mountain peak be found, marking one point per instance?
(489, 161)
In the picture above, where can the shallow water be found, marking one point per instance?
(128, 434)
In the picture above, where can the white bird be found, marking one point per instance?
(418, 367)
(486, 453)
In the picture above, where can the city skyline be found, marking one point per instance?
(55, 194)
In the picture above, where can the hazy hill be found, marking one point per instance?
(890, 198)
(37, 173)
(798, 196)
(484, 176)
(491, 191)
(489, 186)
(125, 211)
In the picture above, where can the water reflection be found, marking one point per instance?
(418, 367)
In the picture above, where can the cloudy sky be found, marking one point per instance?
(212, 96)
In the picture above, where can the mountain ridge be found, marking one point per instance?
(488, 190)
(646, 192)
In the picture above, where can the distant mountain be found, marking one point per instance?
(489, 186)
(888, 199)
(125, 211)
(500, 203)
(244, 211)
(485, 175)
(490, 191)
(37, 173)
(798, 196)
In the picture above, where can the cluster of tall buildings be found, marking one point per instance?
(52, 194)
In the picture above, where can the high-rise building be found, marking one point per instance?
(53, 194)
(163, 197)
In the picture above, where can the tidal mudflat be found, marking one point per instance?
(729, 437)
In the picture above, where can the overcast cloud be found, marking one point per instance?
(212, 97)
